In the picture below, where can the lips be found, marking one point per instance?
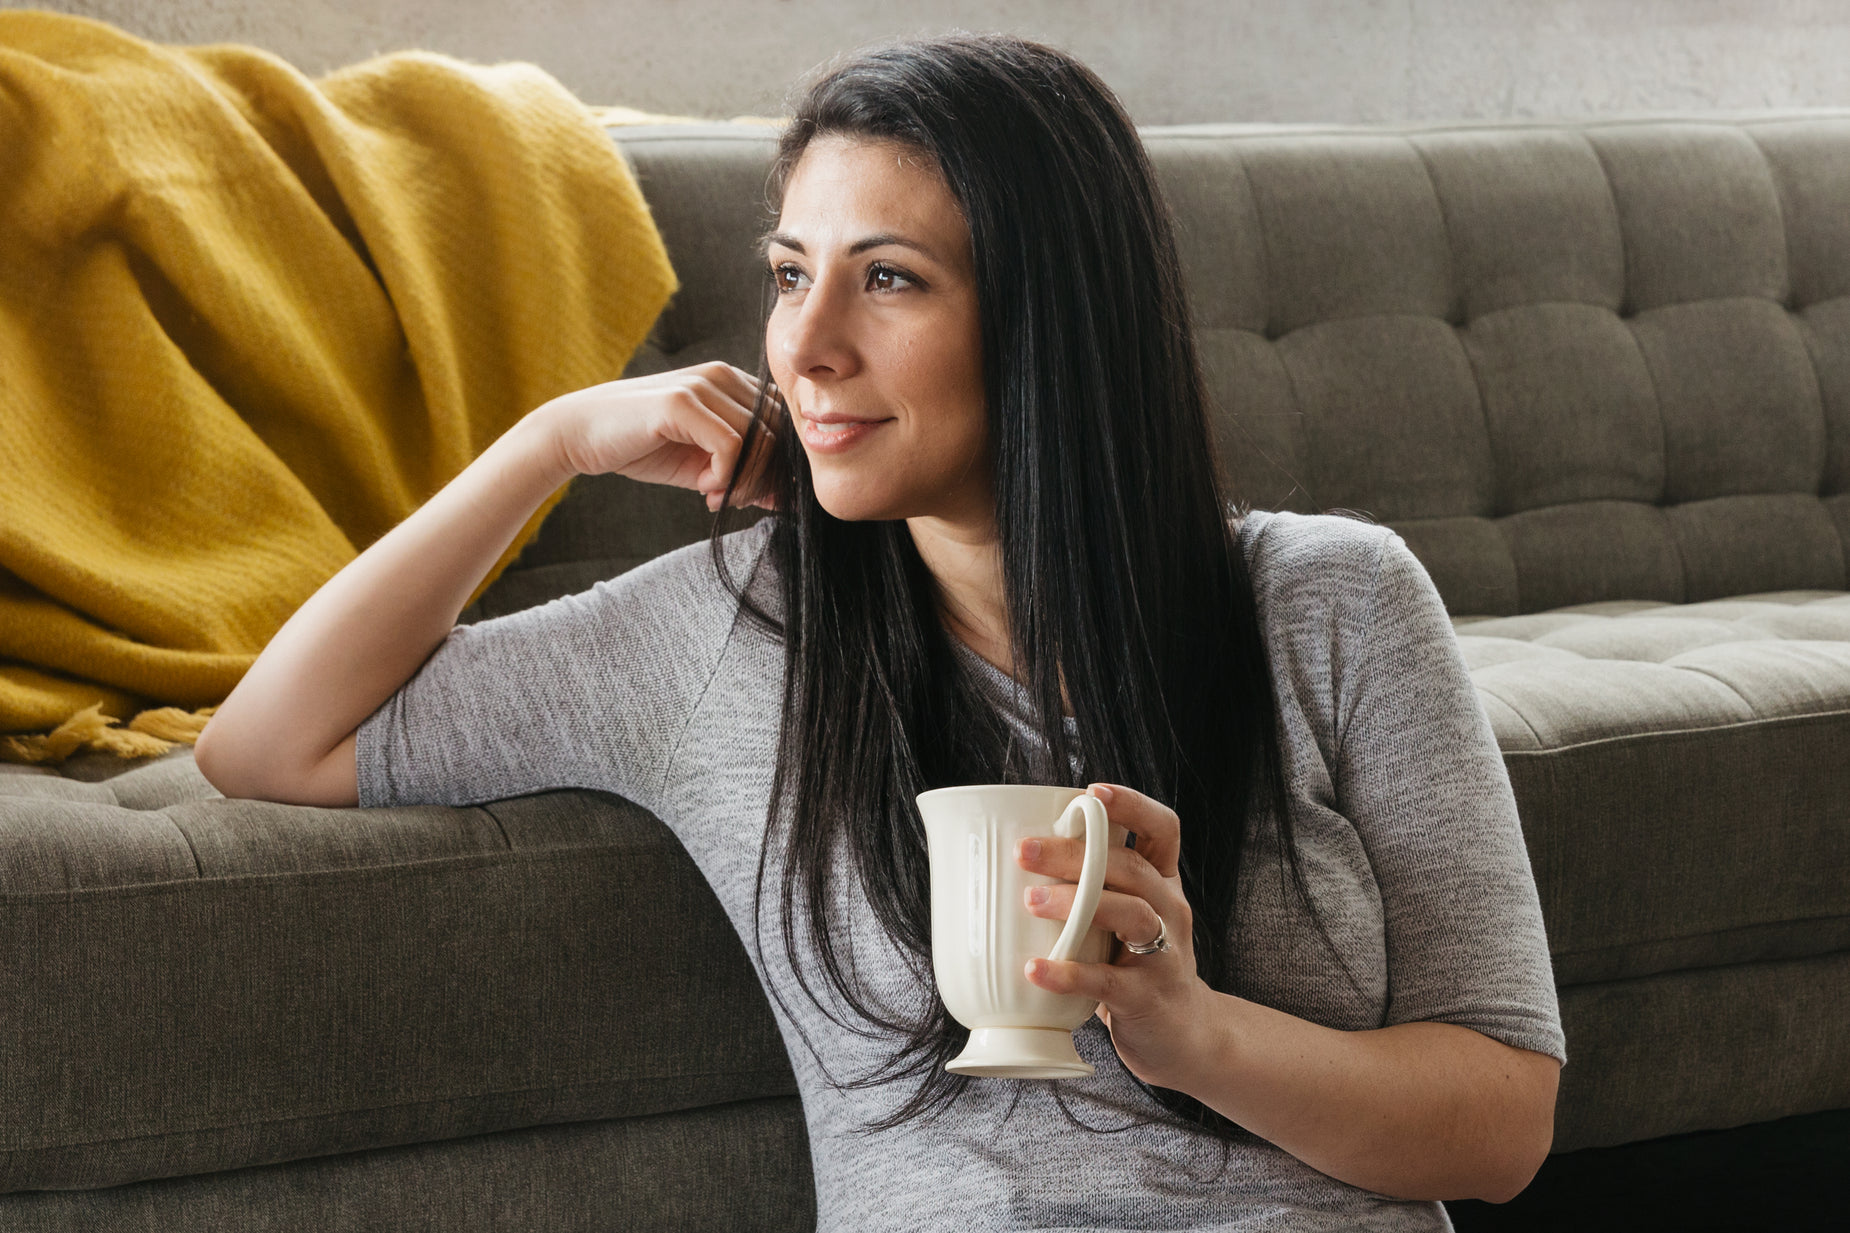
(831, 432)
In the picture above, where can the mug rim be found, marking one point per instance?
(1023, 789)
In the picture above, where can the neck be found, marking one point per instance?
(965, 560)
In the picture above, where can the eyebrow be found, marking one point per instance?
(784, 240)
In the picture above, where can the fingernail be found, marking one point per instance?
(1030, 849)
(1036, 967)
(1102, 792)
(1037, 894)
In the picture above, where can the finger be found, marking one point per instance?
(753, 483)
(1131, 917)
(1104, 982)
(731, 393)
(1158, 830)
(736, 383)
(718, 390)
(691, 421)
(1126, 869)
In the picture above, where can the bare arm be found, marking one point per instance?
(1424, 1110)
(286, 733)
(1414, 1111)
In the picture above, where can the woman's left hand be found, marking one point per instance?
(1154, 1005)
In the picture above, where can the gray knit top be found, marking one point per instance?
(653, 687)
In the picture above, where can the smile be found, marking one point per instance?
(832, 434)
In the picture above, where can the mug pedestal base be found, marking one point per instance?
(1021, 1053)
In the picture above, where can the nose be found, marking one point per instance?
(815, 335)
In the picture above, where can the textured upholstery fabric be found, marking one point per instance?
(1613, 669)
(731, 1166)
(1777, 1034)
(194, 984)
(1630, 339)
(1597, 376)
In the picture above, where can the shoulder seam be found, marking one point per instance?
(1367, 635)
(719, 658)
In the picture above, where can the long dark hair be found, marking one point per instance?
(1125, 583)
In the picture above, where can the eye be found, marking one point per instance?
(883, 277)
(787, 278)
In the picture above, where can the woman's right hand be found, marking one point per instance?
(683, 428)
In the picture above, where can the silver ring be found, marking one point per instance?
(1150, 948)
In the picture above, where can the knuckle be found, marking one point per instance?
(1181, 924)
(1137, 866)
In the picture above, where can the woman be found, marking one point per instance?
(998, 552)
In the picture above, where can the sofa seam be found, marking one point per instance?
(1666, 733)
(198, 867)
(1785, 226)
(1754, 117)
(1499, 503)
(1514, 710)
(703, 130)
(1702, 671)
(1627, 313)
(1732, 929)
(1795, 317)
(1707, 967)
(411, 1104)
(507, 844)
(421, 866)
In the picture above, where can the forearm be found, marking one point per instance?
(1418, 1110)
(371, 626)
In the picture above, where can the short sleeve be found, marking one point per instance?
(588, 691)
(1420, 775)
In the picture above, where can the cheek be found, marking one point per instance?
(774, 356)
(956, 373)
(943, 391)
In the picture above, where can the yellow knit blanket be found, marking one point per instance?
(248, 322)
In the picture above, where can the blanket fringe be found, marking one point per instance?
(150, 733)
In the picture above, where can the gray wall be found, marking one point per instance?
(1198, 60)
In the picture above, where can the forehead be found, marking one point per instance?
(845, 188)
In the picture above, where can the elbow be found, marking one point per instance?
(242, 770)
(1511, 1179)
(215, 763)
(228, 767)
(1523, 1150)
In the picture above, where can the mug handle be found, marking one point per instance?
(1091, 873)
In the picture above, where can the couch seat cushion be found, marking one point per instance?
(1683, 772)
(1626, 668)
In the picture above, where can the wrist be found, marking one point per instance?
(1211, 1048)
(543, 440)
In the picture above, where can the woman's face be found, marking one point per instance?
(874, 339)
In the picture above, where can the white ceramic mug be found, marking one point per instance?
(982, 934)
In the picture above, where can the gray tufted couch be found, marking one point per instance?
(1598, 376)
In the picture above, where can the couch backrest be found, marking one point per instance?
(1567, 363)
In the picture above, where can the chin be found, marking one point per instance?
(853, 496)
(856, 506)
